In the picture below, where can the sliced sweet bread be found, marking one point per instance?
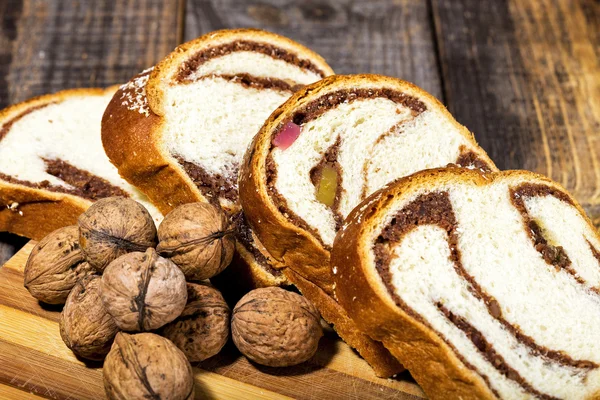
(52, 164)
(178, 132)
(484, 285)
(323, 151)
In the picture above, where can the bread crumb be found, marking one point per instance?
(134, 93)
(14, 207)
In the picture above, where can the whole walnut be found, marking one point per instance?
(202, 329)
(112, 227)
(146, 366)
(143, 291)
(54, 266)
(86, 327)
(196, 237)
(275, 327)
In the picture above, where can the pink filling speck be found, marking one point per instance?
(286, 136)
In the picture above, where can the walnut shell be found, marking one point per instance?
(55, 265)
(112, 227)
(274, 327)
(143, 291)
(86, 327)
(196, 237)
(147, 366)
(202, 329)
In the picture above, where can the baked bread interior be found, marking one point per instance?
(326, 149)
(484, 285)
(52, 164)
(178, 131)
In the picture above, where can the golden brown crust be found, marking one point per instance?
(286, 241)
(378, 357)
(431, 361)
(131, 141)
(278, 238)
(37, 212)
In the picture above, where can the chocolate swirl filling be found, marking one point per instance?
(436, 209)
(82, 183)
(194, 62)
(313, 110)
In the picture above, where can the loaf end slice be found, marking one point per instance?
(52, 164)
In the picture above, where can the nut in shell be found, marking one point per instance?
(202, 329)
(143, 291)
(54, 266)
(275, 327)
(147, 366)
(196, 237)
(112, 227)
(86, 327)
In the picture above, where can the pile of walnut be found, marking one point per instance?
(115, 273)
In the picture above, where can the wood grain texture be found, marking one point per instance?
(524, 76)
(48, 45)
(65, 44)
(10, 12)
(379, 36)
(34, 359)
(9, 392)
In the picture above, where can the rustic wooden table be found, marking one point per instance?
(523, 75)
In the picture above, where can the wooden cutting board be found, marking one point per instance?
(35, 363)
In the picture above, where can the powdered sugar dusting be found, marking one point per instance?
(134, 93)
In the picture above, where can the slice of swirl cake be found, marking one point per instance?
(178, 132)
(483, 285)
(326, 149)
(52, 164)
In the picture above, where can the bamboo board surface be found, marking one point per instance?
(35, 363)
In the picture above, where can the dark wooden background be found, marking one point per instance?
(523, 75)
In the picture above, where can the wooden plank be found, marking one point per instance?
(31, 331)
(51, 377)
(63, 44)
(379, 36)
(47, 45)
(9, 392)
(10, 12)
(524, 76)
(46, 375)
